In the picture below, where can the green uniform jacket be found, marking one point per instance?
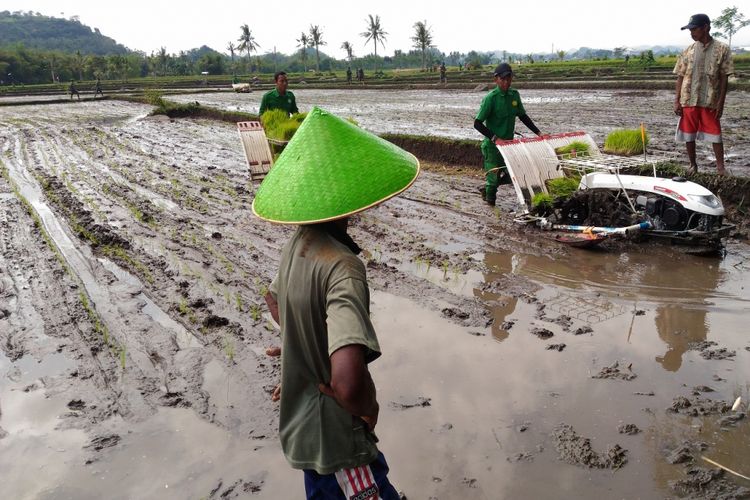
(499, 111)
(272, 100)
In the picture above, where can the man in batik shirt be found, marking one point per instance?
(702, 71)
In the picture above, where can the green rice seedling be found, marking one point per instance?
(563, 187)
(263, 291)
(255, 312)
(238, 301)
(429, 264)
(300, 117)
(229, 348)
(269, 326)
(445, 265)
(541, 203)
(122, 357)
(227, 296)
(575, 148)
(182, 307)
(418, 262)
(271, 120)
(626, 142)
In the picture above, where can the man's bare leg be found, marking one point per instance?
(691, 156)
(719, 153)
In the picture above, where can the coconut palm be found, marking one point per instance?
(303, 43)
(231, 48)
(375, 33)
(349, 51)
(422, 39)
(247, 42)
(316, 39)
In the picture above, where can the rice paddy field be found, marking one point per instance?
(133, 329)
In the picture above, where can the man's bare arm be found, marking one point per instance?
(273, 306)
(723, 85)
(351, 384)
(678, 94)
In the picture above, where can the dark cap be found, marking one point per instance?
(697, 21)
(503, 70)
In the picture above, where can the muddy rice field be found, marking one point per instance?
(133, 329)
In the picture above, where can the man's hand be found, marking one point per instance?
(718, 112)
(370, 420)
(677, 108)
(351, 385)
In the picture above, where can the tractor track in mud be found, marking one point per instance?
(160, 211)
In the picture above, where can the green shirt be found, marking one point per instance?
(499, 111)
(321, 289)
(273, 100)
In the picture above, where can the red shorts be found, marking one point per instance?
(698, 123)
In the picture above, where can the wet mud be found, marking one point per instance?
(133, 331)
(442, 113)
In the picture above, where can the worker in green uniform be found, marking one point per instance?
(280, 97)
(495, 120)
(329, 171)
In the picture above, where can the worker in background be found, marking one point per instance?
(280, 97)
(495, 120)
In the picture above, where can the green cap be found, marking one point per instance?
(332, 169)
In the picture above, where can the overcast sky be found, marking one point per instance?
(521, 26)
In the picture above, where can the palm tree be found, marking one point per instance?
(231, 48)
(349, 51)
(304, 43)
(422, 39)
(316, 39)
(375, 33)
(247, 42)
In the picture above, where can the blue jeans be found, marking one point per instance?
(359, 482)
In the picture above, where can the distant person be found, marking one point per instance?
(280, 97)
(73, 90)
(443, 79)
(98, 88)
(495, 120)
(349, 75)
(627, 58)
(702, 71)
(362, 76)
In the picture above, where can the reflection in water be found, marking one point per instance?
(681, 287)
(499, 264)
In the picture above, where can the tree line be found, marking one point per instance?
(29, 65)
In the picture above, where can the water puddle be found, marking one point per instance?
(174, 454)
(493, 407)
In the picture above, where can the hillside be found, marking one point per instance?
(52, 33)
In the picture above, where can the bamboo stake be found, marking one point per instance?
(725, 468)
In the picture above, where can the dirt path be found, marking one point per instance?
(156, 383)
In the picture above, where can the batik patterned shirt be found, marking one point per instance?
(702, 67)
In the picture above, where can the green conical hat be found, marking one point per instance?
(331, 169)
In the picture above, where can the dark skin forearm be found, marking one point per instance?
(678, 94)
(723, 84)
(351, 384)
(273, 306)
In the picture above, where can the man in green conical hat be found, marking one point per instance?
(330, 170)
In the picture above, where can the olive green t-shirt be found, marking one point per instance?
(321, 289)
(273, 100)
(499, 111)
